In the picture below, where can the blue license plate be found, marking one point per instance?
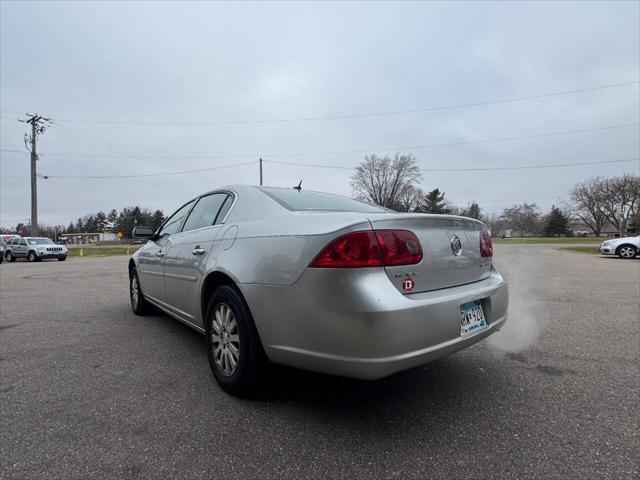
(471, 318)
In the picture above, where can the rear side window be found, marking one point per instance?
(317, 201)
(205, 212)
(226, 206)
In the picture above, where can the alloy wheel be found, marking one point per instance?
(134, 291)
(225, 339)
(627, 252)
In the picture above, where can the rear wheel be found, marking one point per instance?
(32, 257)
(9, 256)
(235, 352)
(139, 304)
(627, 251)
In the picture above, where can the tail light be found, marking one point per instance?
(353, 250)
(399, 247)
(486, 246)
(370, 249)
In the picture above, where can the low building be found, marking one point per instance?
(581, 229)
(87, 238)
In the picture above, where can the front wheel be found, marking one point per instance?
(234, 349)
(62, 259)
(627, 251)
(139, 304)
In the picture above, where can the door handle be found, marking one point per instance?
(160, 254)
(198, 251)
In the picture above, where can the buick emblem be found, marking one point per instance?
(456, 245)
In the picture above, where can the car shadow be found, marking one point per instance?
(426, 394)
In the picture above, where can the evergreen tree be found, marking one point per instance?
(556, 222)
(473, 211)
(433, 202)
(156, 219)
(101, 221)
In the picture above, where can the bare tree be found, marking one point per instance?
(620, 199)
(385, 180)
(522, 219)
(587, 204)
(409, 199)
(601, 200)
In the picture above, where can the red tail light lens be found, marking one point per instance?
(370, 249)
(486, 245)
(399, 247)
(353, 250)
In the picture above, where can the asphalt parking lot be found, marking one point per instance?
(88, 390)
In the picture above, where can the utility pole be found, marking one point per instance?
(37, 127)
(260, 172)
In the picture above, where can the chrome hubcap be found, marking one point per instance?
(134, 291)
(626, 252)
(225, 340)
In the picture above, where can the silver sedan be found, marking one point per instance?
(318, 281)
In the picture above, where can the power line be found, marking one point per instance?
(118, 149)
(345, 152)
(357, 115)
(182, 172)
(474, 169)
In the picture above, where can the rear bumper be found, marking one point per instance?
(353, 323)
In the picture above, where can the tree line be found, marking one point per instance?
(394, 182)
(113, 221)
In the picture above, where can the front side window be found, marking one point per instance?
(205, 212)
(174, 223)
(23, 243)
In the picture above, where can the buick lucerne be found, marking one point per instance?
(318, 281)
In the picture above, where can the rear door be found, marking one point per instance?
(450, 246)
(187, 254)
(21, 248)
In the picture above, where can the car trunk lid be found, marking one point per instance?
(442, 264)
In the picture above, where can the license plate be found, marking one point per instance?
(471, 318)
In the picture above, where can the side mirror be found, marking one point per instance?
(143, 232)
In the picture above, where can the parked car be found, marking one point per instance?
(626, 247)
(34, 249)
(1, 252)
(318, 281)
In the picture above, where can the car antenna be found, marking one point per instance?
(299, 187)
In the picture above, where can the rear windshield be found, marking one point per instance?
(316, 201)
(40, 241)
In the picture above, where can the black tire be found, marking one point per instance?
(32, 257)
(139, 304)
(62, 259)
(627, 251)
(251, 367)
(9, 256)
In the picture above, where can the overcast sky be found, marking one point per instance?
(224, 62)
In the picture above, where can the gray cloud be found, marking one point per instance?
(225, 61)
